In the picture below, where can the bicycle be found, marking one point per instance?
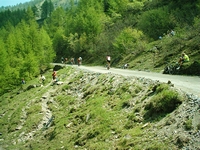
(171, 69)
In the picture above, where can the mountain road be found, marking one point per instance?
(188, 84)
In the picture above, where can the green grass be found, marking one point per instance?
(188, 124)
(164, 101)
(102, 118)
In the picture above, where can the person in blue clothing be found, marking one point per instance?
(23, 81)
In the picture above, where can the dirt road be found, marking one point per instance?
(189, 84)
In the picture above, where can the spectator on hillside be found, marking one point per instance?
(23, 81)
(42, 78)
(184, 58)
(172, 33)
(54, 75)
(62, 60)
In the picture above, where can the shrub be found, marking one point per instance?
(198, 126)
(188, 124)
(164, 101)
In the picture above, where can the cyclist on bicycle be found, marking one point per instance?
(108, 58)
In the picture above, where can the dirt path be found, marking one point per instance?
(189, 84)
(47, 114)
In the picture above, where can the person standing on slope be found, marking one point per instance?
(54, 75)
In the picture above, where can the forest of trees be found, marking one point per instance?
(89, 28)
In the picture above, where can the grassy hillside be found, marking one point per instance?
(160, 53)
(104, 111)
(97, 111)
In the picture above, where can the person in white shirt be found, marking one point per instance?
(108, 58)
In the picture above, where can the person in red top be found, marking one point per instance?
(54, 75)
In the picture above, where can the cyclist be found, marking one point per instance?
(72, 61)
(66, 60)
(108, 58)
(79, 61)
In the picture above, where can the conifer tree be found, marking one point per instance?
(47, 8)
(3, 65)
(47, 53)
(55, 22)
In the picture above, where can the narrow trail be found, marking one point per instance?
(46, 112)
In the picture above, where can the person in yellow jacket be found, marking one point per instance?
(184, 58)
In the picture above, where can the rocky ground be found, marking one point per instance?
(182, 126)
(175, 125)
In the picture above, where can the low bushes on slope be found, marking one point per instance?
(164, 101)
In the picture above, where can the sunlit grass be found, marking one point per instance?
(102, 117)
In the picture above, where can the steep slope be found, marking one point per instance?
(89, 110)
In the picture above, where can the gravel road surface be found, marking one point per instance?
(189, 84)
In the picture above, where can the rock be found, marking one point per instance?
(69, 125)
(44, 97)
(59, 82)
(30, 87)
(181, 140)
(169, 82)
(145, 125)
(57, 67)
(87, 118)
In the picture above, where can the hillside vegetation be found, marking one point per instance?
(98, 111)
(91, 110)
(127, 30)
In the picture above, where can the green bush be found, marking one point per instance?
(188, 124)
(164, 101)
(198, 126)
